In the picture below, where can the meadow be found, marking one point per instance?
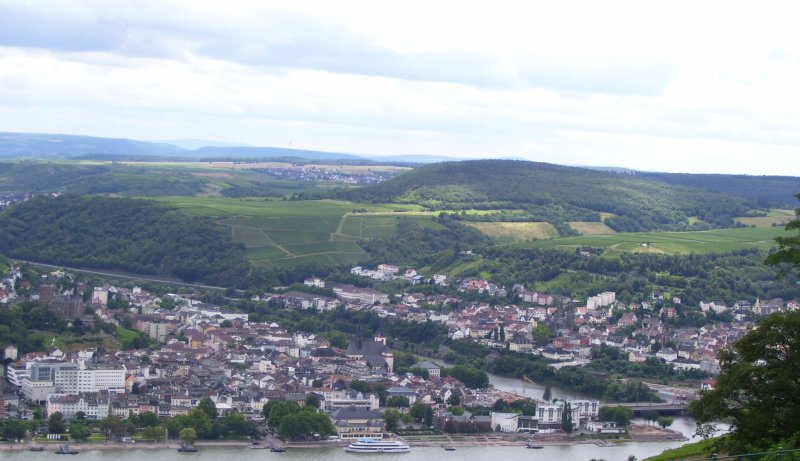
(711, 241)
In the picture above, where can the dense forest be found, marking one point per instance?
(122, 234)
(767, 191)
(553, 193)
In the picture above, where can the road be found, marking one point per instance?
(146, 278)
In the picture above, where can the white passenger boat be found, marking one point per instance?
(377, 446)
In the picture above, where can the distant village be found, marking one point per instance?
(206, 351)
(332, 174)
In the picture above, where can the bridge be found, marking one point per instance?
(662, 407)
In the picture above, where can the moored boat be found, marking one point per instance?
(66, 449)
(377, 446)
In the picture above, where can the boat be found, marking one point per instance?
(448, 448)
(186, 448)
(36, 448)
(533, 446)
(377, 446)
(277, 450)
(66, 449)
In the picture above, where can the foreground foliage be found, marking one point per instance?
(759, 387)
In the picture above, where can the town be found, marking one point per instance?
(198, 351)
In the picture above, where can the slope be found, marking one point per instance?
(557, 194)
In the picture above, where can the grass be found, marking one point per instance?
(285, 233)
(697, 450)
(591, 228)
(712, 241)
(505, 232)
(774, 217)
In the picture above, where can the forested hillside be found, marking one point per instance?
(545, 192)
(143, 180)
(123, 234)
(767, 191)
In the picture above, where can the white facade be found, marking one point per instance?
(506, 422)
(93, 406)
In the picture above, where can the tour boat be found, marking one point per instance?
(66, 449)
(377, 446)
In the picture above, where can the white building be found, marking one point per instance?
(94, 405)
(506, 422)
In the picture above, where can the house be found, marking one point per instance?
(433, 370)
(604, 427)
(401, 391)
(314, 282)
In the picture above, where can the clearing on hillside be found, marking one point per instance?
(591, 228)
(711, 241)
(506, 232)
(773, 218)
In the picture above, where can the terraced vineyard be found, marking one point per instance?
(285, 233)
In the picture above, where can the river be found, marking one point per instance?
(581, 452)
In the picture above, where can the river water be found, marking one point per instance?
(582, 452)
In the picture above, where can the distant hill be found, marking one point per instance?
(34, 145)
(554, 193)
(270, 152)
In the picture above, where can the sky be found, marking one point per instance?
(694, 86)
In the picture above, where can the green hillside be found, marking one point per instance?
(131, 235)
(671, 243)
(557, 194)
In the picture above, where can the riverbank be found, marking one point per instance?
(638, 433)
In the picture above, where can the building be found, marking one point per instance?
(374, 353)
(354, 422)
(504, 422)
(94, 405)
(434, 371)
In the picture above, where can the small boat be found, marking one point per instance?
(533, 446)
(448, 448)
(186, 448)
(36, 448)
(66, 449)
(277, 450)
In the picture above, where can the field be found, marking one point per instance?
(773, 218)
(283, 233)
(713, 241)
(591, 228)
(507, 232)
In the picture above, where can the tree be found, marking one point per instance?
(756, 387)
(113, 427)
(147, 419)
(391, 417)
(398, 401)
(665, 421)
(208, 406)
(548, 393)
(79, 432)
(55, 424)
(787, 258)
(198, 420)
(313, 401)
(566, 418)
(155, 433)
(188, 435)
(454, 399)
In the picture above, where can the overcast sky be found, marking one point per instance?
(666, 86)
